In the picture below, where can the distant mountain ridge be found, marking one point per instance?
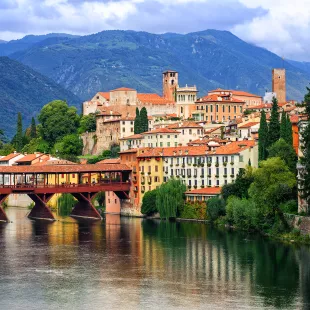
(26, 91)
(111, 59)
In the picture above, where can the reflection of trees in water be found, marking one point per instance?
(200, 253)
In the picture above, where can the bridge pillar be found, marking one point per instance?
(84, 207)
(41, 211)
(3, 217)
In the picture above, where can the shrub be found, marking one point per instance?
(289, 207)
(195, 211)
(149, 203)
(215, 208)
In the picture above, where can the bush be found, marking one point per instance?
(149, 203)
(195, 211)
(290, 206)
(215, 208)
(243, 213)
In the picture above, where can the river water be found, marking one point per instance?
(128, 263)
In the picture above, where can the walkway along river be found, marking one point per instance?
(130, 263)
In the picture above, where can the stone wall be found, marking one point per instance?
(89, 143)
(299, 222)
(128, 209)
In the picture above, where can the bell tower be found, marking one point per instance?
(170, 83)
(279, 84)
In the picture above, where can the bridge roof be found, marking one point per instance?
(64, 168)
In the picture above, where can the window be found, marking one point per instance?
(232, 171)
(156, 168)
(123, 123)
(235, 109)
(160, 144)
(123, 129)
(131, 129)
(217, 171)
(73, 175)
(229, 108)
(211, 108)
(171, 172)
(109, 200)
(241, 158)
(181, 110)
(223, 107)
(168, 143)
(149, 168)
(225, 171)
(217, 108)
(210, 183)
(190, 131)
(206, 108)
(114, 200)
(217, 183)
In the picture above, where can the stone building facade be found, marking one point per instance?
(279, 84)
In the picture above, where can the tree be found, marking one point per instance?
(273, 184)
(289, 131)
(283, 124)
(18, 139)
(215, 208)
(149, 203)
(274, 125)
(71, 145)
(33, 129)
(241, 186)
(305, 160)
(137, 123)
(263, 137)
(57, 120)
(87, 123)
(144, 122)
(286, 152)
(170, 199)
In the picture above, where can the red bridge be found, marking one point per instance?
(84, 182)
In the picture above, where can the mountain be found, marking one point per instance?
(2, 42)
(302, 65)
(208, 59)
(29, 41)
(26, 91)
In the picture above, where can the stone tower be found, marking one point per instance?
(170, 83)
(279, 84)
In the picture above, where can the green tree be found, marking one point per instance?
(215, 208)
(87, 123)
(18, 139)
(263, 137)
(274, 125)
(283, 124)
(6, 149)
(149, 203)
(114, 150)
(289, 131)
(57, 120)
(33, 129)
(170, 199)
(273, 184)
(305, 160)
(137, 123)
(71, 145)
(144, 122)
(286, 152)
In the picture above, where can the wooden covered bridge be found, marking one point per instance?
(84, 182)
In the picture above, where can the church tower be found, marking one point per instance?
(170, 83)
(279, 84)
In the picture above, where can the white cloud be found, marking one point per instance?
(285, 29)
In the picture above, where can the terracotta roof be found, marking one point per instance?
(234, 147)
(205, 191)
(106, 95)
(213, 129)
(175, 151)
(161, 130)
(29, 158)
(132, 137)
(235, 92)
(123, 89)
(248, 125)
(154, 99)
(186, 124)
(205, 141)
(9, 157)
(110, 161)
(261, 106)
(294, 119)
(55, 162)
(64, 168)
(215, 98)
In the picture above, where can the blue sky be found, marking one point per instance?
(282, 26)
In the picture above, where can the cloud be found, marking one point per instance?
(284, 29)
(280, 26)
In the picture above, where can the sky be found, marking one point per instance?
(281, 26)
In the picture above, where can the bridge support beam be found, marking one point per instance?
(41, 211)
(3, 217)
(84, 207)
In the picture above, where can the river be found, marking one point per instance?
(129, 263)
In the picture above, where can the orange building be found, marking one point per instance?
(218, 108)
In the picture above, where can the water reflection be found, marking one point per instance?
(129, 263)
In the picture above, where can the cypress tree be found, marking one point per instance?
(144, 120)
(283, 129)
(19, 133)
(137, 123)
(263, 137)
(274, 125)
(289, 131)
(33, 129)
(305, 172)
